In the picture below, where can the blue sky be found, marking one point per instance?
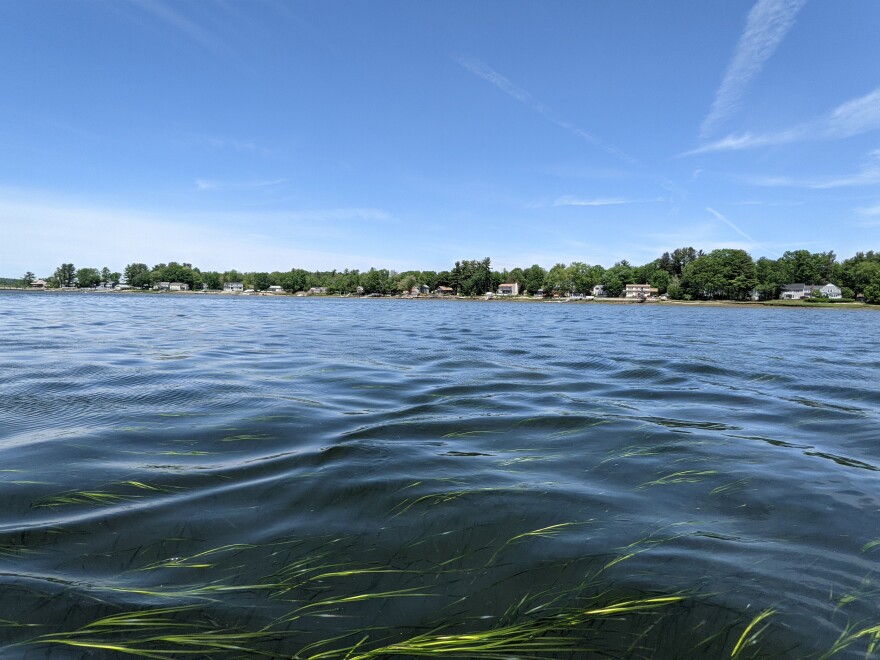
(266, 135)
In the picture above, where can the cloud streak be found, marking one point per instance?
(46, 230)
(210, 184)
(853, 117)
(768, 23)
(571, 200)
(868, 175)
(487, 73)
(727, 222)
(869, 210)
(181, 24)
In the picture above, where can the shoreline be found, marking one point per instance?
(799, 304)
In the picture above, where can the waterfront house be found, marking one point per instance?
(162, 286)
(508, 289)
(599, 291)
(274, 288)
(318, 291)
(178, 286)
(831, 291)
(359, 290)
(793, 292)
(639, 291)
(801, 291)
(37, 284)
(445, 291)
(235, 287)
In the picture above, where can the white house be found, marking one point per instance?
(162, 286)
(639, 291)
(801, 291)
(599, 290)
(233, 286)
(508, 289)
(274, 288)
(793, 292)
(178, 286)
(831, 291)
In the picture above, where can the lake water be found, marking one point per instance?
(304, 477)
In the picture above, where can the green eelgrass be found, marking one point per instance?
(544, 532)
(681, 477)
(751, 633)
(566, 630)
(157, 634)
(102, 497)
(160, 634)
(851, 636)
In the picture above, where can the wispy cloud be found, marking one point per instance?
(854, 117)
(165, 13)
(868, 175)
(47, 229)
(487, 73)
(766, 27)
(210, 184)
(869, 210)
(727, 222)
(571, 200)
(235, 145)
(330, 215)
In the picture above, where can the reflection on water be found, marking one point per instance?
(363, 478)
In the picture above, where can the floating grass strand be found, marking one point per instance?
(751, 633)
(157, 634)
(545, 532)
(544, 637)
(93, 497)
(848, 638)
(682, 477)
(189, 562)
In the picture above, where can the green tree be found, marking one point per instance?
(376, 281)
(872, 294)
(295, 280)
(261, 281)
(137, 276)
(803, 266)
(28, 278)
(472, 278)
(617, 277)
(559, 280)
(614, 286)
(175, 272)
(660, 280)
(65, 275)
(105, 276)
(583, 277)
(533, 278)
(674, 289)
(770, 278)
(213, 280)
(724, 273)
(88, 278)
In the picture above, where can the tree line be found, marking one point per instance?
(683, 274)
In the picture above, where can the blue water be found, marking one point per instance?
(338, 470)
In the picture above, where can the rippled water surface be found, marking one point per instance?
(300, 477)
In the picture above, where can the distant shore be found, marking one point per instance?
(495, 299)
